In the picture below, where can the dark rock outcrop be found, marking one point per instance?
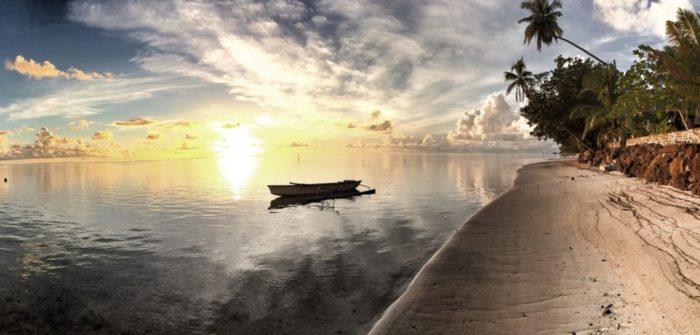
(677, 165)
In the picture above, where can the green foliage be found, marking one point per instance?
(582, 105)
(521, 80)
(542, 23)
(646, 97)
(681, 61)
(600, 86)
(552, 100)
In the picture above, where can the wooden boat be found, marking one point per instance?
(288, 201)
(295, 189)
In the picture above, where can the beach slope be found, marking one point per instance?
(566, 250)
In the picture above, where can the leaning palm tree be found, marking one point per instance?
(521, 80)
(543, 26)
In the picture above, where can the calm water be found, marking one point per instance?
(190, 246)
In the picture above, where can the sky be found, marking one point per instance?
(129, 79)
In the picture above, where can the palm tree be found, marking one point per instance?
(681, 58)
(521, 80)
(542, 24)
(603, 86)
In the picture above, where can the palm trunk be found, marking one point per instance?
(582, 49)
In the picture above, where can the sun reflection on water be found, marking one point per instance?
(237, 172)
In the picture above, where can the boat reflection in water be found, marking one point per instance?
(322, 198)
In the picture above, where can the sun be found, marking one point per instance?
(237, 142)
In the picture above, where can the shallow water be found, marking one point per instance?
(190, 246)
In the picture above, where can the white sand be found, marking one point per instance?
(545, 256)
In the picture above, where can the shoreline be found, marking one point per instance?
(599, 253)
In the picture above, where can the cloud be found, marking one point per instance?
(154, 136)
(494, 121)
(350, 125)
(137, 122)
(384, 126)
(80, 124)
(344, 56)
(231, 125)
(639, 16)
(298, 145)
(375, 114)
(190, 137)
(81, 99)
(102, 135)
(186, 146)
(184, 124)
(3, 141)
(432, 141)
(46, 69)
(49, 145)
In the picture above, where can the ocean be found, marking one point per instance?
(192, 246)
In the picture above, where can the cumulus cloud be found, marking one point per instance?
(45, 69)
(383, 126)
(639, 16)
(102, 135)
(80, 124)
(137, 122)
(49, 145)
(494, 121)
(430, 140)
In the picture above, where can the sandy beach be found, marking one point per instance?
(566, 250)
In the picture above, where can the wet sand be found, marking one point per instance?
(599, 253)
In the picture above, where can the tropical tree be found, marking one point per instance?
(602, 86)
(551, 101)
(681, 59)
(645, 95)
(542, 24)
(520, 79)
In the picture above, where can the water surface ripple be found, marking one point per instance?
(190, 246)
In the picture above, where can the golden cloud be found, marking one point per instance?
(47, 145)
(152, 136)
(185, 124)
(45, 69)
(231, 125)
(137, 122)
(102, 135)
(384, 126)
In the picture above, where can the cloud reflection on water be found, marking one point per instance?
(189, 246)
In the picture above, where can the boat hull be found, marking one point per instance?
(289, 201)
(314, 189)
